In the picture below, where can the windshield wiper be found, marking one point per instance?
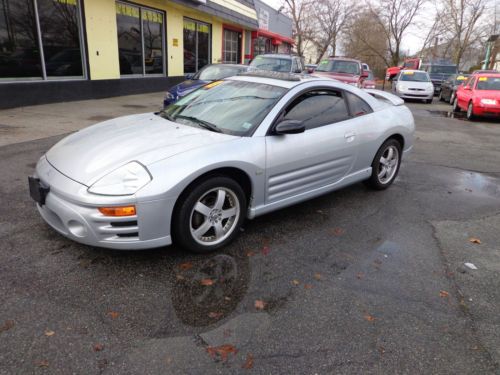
(202, 123)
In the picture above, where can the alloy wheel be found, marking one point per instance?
(214, 216)
(388, 164)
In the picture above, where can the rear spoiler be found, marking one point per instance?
(385, 96)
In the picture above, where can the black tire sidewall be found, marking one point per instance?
(181, 233)
(374, 181)
(456, 108)
(471, 115)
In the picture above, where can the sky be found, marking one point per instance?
(414, 36)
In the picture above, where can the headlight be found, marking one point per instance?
(401, 87)
(488, 101)
(126, 180)
(169, 96)
(370, 86)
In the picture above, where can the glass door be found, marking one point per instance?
(196, 45)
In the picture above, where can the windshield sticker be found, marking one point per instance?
(408, 73)
(483, 79)
(323, 62)
(213, 84)
(461, 78)
(246, 125)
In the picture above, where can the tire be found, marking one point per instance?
(440, 97)
(377, 180)
(452, 97)
(199, 224)
(428, 101)
(470, 112)
(456, 108)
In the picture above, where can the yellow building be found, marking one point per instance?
(95, 48)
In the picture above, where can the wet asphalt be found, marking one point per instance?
(354, 282)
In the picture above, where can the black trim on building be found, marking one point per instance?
(223, 12)
(22, 94)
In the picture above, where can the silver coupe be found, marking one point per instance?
(232, 150)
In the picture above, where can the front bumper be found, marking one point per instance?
(409, 94)
(487, 111)
(73, 212)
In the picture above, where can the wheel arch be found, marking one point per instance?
(398, 137)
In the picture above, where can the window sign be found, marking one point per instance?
(197, 36)
(263, 19)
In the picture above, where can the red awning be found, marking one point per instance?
(277, 38)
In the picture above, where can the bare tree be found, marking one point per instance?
(460, 19)
(395, 16)
(300, 12)
(330, 19)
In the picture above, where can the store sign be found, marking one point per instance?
(263, 19)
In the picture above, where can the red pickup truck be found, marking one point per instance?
(342, 69)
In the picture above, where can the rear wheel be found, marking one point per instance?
(470, 112)
(452, 97)
(440, 97)
(456, 108)
(385, 165)
(209, 215)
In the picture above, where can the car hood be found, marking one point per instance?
(186, 87)
(89, 154)
(342, 77)
(414, 85)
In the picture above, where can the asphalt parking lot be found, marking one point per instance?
(354, 282)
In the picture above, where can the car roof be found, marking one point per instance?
(413, 70)
(230, 65)
(495, 75)
(344, 59)
(277, 55)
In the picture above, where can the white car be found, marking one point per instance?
(229, 151)
(413, 84)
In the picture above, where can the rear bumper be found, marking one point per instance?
(70, 212)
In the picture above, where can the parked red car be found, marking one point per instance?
(342, 69)
(369, 82)
(479, 96)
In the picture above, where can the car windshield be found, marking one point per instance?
(415, 77)
(442, 69)
(216, 72)
(461, 79)
(338, 66)
(488, 83)
(230, 107)
(274, 64)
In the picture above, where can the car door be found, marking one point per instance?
(320, 156)
(466, 93)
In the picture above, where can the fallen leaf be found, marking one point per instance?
(49, 333)
(318, 276)
(207, 282)
(381, 350)
(295, 282)
(113, 314)
(227, 298)
(337, 231)
(308, 286)
(248, 363)
(7, 325)
(360, 275)
(475, 240)
(223, 351)
(265, 250)
(214, 315)
(43, 363)
(259, 304)
(180, 277)
(98, 347)
(186, 266)
(444, 294)
(250, 253)
(369, 317)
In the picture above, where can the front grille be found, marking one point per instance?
(412, 89)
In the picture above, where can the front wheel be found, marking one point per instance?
(429, 101)
(385, 165)
(209, 215)
(452, 97)
(456, 108)
(470, 112)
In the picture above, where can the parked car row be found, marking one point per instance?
(350, 71)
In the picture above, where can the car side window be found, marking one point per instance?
(318, 108)
(472, 82)
(357, 106)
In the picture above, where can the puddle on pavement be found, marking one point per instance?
(478, 184)
(448, 114)
(137, 106)
(99, 118)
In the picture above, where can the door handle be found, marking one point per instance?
(350, 136)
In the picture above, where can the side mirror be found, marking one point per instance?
(189, 75)
(310, 70)
(365, 74)
(290, 127)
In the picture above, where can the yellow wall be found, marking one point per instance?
(102, 39)
(102, 36)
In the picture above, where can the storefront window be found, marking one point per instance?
(140, 40)
(59, 24)
(196, 45)
(232, 47)
(263, 45)
(53, 24)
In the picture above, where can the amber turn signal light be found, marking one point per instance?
(117, 211)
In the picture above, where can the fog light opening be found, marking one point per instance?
(76, 228)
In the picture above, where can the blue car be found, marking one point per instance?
(207, 74)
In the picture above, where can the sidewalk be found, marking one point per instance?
(41, 121)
